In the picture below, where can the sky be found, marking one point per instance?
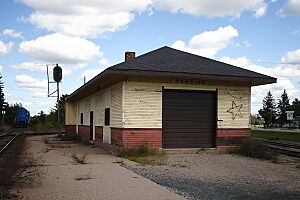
(85, 37)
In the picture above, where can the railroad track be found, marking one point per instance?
(284, 147)
(7, 138)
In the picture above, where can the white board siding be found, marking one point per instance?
(99, 109)
(143, 104)
(109, 98)
(116, 105)
(70, 117)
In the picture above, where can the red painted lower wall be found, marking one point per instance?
(70, 129)
(231, 137)
(98, 134)
(84, 132)
(152, 137)
(135, 137)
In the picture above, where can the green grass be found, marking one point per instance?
(288, 136)
(159, 159)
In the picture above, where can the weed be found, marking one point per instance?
(254, 148)
(83, 177)
(179, 165)
(275, 159)
(69, 137)
(79, 157)
(46, 140)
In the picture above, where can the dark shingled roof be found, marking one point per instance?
(169, 62)
(167, 59)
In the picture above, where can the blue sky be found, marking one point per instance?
(85, 37)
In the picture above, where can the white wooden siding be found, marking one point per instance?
(109, 98)
(116, 105)
(70, 117)
(143, 104)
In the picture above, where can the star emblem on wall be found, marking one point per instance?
(235, 110)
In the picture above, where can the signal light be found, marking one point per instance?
(57, 73)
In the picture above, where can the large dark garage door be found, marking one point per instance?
(189, 119)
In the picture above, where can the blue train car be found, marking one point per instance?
(22, 118)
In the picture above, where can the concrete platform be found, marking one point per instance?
(106, 178)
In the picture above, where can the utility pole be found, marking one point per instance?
(58, 111)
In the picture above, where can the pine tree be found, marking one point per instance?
(2, 99)
(282, 106)
(295, 107)
(268, 111)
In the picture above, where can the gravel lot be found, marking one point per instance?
(224, 176)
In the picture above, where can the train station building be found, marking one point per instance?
(166, 99)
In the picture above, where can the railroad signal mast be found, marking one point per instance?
(57, 76)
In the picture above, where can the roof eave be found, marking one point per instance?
(251, 81)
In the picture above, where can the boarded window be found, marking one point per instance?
(81, 118)
(107, 117)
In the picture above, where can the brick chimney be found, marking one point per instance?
(129, 55)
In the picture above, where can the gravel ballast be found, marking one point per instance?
(224, 176)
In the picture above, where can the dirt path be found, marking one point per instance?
(105, 179)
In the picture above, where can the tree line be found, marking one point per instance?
(41, 120)
(275, 112)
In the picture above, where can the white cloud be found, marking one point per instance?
(103, 61)
(208, 43)
(41, 67)
(247, 43)
(36, 87)
(287, 76)
(87, 18)
(290, 8)
(296, 32)
(12, 33)
(1, 68)
(30, 66)
(261, 11)
(5, 48)
(210, 8)
(60, 48)
(292, 57)
(90, 73)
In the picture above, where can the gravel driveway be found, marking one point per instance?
(224, 176)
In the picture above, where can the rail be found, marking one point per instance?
(6, 139)
(284, 147)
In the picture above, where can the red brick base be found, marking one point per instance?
(152, 137)
(133, 138)
(70, 129)
(231, 137)
(84, 132)
(99, 134)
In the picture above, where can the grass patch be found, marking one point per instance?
(273, 135)
(143, 155)
(255, 148)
